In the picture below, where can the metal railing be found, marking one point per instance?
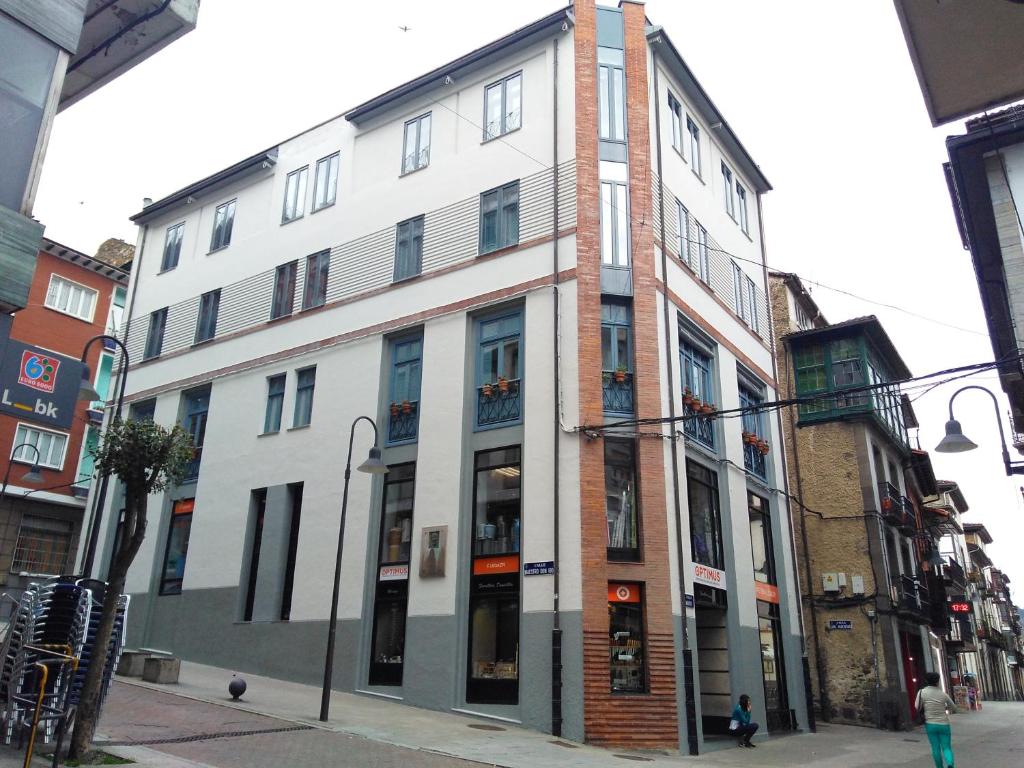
(404, 421)
(699, 428)
(617, 395)
(497, 405)
(754, 461)
(192, 468)
(891, 502)
(953, 573)
(909, 522)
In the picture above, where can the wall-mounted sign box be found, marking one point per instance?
(959, 606)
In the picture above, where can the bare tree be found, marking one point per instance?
(146, 458)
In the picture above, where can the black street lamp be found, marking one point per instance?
(32, 476)
(87, 392)
(374, 466)
(956, 442)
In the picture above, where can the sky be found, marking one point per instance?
(823, 96)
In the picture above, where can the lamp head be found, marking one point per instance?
(86, 391)
(33, 475)
(955, 441)
(373, 464)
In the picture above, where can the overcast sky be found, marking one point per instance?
(823, 95)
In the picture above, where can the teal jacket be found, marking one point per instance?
(741, 716)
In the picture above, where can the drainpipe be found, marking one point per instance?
(688, 688)
(805, 662)
(556, 626)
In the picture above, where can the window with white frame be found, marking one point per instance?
(50, 445)
(614, 224)
(172, 247)
(223, 223)
(683, 225)
(703, 258)
(751, 306)
(741, 208)
(694, 131)
(675, 112)
(739, 289)
(71, 298)
(325, 185)
(295, 195)
(611, 94)
(503, 106)
(416, 147)
(727, 193)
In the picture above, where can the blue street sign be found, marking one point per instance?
(843, 625)
(539, 569)
(689, 601)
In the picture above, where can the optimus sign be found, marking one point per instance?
(38, 385)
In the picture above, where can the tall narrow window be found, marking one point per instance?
(325, 185)
(499, 218)
(626, 647)
(499, 371)
(739, 289)
(611, 94)
(727, 192)
(295, 195)
(683, 225)
(703, 258)
(416, 147)
(405, 390)
(295, 503)
(620, 494)
(617, 357)
(408, 248)
(695, 373)
(223, 223)
(197, 410)
(155, 335)
(173, 572)
(284, 290)
(614, 225)
(675, 112)
(172, 247)
(503, 106)
(755, 432)
(275, 403)
(741, 208)
(258, 506)
(761, 539)
(392, 593)
(705, 517)
(751, 306)
(206, 325)
(304, 386)
(694, 131)
(495, 584)
(318, 266)
(70, 298)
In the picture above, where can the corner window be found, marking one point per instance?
(173, 572)
(284, 290)
(223, 222)
(727, 193)
(406, 368)
(318, 266)
(683, 227)
(614, 225)
(694, 131)
(172, 247)
(626, 647)
(499, 372)
(275, 403)
(620, 495)
(675, 112)
(698, 390)
(408, 248)
(416, 146)
(741, 208)
(499, 218)
(295, 195)
(206, 326)
(44, 544)
(705, 516)
(503, 106)
(305, 384)
(325, 186)
(617, 357)
(71, 298)
(51, 447)
(155, 335)
(703, 257)
(611, 94)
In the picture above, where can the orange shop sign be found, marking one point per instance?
(769, 593)
(184, 506)
(505, 564)
(623, 593)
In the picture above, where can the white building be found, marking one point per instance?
(487, 260)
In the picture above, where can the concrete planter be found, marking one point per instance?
(161, 669)
(132, 663)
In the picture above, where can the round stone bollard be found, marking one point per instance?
(236, 688)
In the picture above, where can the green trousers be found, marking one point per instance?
(941, 739)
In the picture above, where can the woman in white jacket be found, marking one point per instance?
(935, 704)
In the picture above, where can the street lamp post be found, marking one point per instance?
(373, 465)
(88, 392)
(956, 442)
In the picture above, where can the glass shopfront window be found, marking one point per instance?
(776, 698)
(705, 516)
(626, 648)
(761, 539)
(495, 585)
(177, 547)
(620, 500)
(392, 594)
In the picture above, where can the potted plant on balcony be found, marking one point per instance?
(762, 447)
(749, 438)
(687, 397)
(620, 374)
(502, 384)
(406, 407)
(487, 389)
(707, 408)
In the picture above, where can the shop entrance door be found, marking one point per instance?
(913, 665)
(778, 715)
(713, 662)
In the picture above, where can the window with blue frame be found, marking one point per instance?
(499, 218)
(696, 368)
(406, 368)
(197, 410)
(499, 370)
(755, 431)
(617, 357)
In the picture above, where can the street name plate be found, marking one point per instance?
(539, 569)
(843, 625)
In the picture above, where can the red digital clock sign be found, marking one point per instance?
(959, 607)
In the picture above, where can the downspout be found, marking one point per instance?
(556, 626)
(688, 688)
(805, 662)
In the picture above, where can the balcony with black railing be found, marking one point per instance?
(961, 635)
(913, 596)
(908, 523)
(617, 391)
(892, 503)
(755, 455)
(953, 575)
(698, 425)
(403, 422)
(192, 468)
(499, 403)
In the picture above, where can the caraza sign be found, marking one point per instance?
(39, 385)
(708, 576)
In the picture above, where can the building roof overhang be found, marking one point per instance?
(967, 55)
(979, 530)
(117, 36)
(957, 496)
(978, 555)
(70, 255)
(921, 464)
(871, 328)
(662, 45)
(460, 67)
